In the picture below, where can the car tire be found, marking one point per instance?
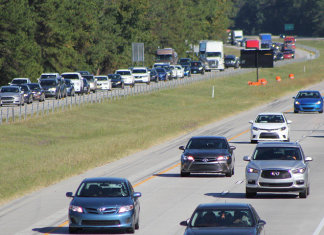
(254, 141)
(229, 174)
(73, 230)
(131, 229)
(321, 111)
(137, 225)
(23, 104)
(184, 174)
(303, 194)
(295, 111)
(308, 190)
(249, 194)
(94, 91)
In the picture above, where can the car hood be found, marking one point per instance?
(273, 164)
(140, 74)
(269, 125)
(47, 87)
(101, 201)
(308, 100)
(115, 80)
(221, 231)
(206, 152)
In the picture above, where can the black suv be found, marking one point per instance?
(197, 67)
(231, 61)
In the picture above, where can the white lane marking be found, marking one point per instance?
(224, 193)
(239, 182)
(310, 132)
(304, 136)
(319, 228)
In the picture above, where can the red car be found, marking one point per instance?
(287, 55)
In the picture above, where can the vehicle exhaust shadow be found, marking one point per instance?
(258, 196)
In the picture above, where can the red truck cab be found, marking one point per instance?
(252, 44)
(290, 43)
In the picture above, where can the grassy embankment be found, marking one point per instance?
(41, 151)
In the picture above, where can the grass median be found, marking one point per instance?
(42, 151)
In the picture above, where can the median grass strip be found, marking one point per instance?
(42, 151)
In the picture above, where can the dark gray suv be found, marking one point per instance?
(278, 167)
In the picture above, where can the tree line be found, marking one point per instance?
(39, 36)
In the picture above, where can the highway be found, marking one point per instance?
(167, 199)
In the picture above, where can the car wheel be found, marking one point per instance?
(23, 104)
(295, 111)
(254, 141)
(229, 174)
(303, 194)
(148, 83)
(131, 229)
(249, 194)
(94, 91)
(184, 174)
(308, 190)
(321, 111)
(137, 225)
(73, 230)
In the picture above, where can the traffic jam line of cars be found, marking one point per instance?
(276, 165)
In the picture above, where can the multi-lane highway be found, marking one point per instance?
(168, 199)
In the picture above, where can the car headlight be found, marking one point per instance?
(189, 158)
(299, 170)
(255, 128)
(283, 128)
(76, 209)
(252, 170)
(25, 95)
(222, 158)
(125, 208)
(318, 102)
(296, 102)
(200, 68)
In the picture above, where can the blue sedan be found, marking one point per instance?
(308, 101)
(163, 75)
(104, 202)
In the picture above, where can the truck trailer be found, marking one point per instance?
(166, 55)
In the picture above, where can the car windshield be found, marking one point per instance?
(222, 218)
(48, 82)
(302, 95)
(88, 77)
(114, 76)
(70, 76)
(160, 70)
(10, 89)
(206, 144)
(193, 64)
(34, 86)
(179, 67)
(139, 71)
(229, 58)
(213, 54)
(100, 189)
(24, 88)
(83, 72)
(18, 81)
(185, 60)
(44, 76)
(123, 72)
(277, 153)
(270, 119)
(163, 57)
(102, 78)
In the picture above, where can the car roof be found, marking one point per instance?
(139, 68)
(270, 113)
(124, 70)
(224, 206)
(103, 179)
(208, 137)
(309, 91)
(20, 78)
(278, 144)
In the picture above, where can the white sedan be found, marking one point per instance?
(127, 76)
(103, 82)
(180, 71)
(270, 127)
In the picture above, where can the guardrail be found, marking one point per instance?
(37, 109)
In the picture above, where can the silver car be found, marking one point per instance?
(277, 167)
(11, 95)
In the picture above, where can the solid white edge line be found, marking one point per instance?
(319, 227)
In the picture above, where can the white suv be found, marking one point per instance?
(141, 75)
(127, 76)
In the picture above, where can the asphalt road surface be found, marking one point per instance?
(168, 199)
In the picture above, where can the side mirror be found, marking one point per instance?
(181, 148)
(289, 121)
(246, 158)
(251, 121)
(261, 222)
(137, 194)
(69, 194)
(294, 97)
(184, 223)
(308, 159)
(232, 147)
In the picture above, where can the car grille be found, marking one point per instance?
(269, 136)
(275, 174)
(276, 184)
(213, 63)
(100, 222)
(269, 129)
(107, 210)
(7, 98)
(209, 159)
(206, 168)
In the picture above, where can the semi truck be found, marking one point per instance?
(166, 55)
(237, 37)
(266, 40)
(289, 43)
(211, 54)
